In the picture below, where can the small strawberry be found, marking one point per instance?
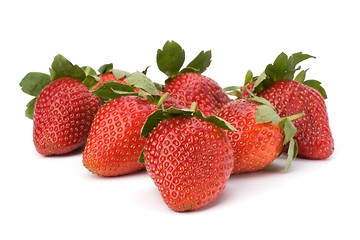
(291, 95)
(188, 157)
(261, 134)
(63, 107)
(114, 144)
(188, 85)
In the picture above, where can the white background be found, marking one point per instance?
(57, 198)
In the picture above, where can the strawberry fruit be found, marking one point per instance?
(63, 107)
(290, 95)
(188, 157)
(261, 134)
(187, 85)
(114, 145)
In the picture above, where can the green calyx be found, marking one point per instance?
(284, 68)
(171, 58)
(267, 113)
(34, 82)
(138, 85)
(162, 114)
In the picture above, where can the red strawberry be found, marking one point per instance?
(188, 85)
(260, 138)
(63, 107)
(188, 157)
(114, 144)
(292, 95)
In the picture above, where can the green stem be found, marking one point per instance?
(162, 99)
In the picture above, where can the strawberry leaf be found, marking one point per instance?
(199, 64)
(29, 112)
(292, 153)
(106, 68)
(64, 68)
(284, 67)
(88, 71)
(265, 113)
(34, 82)
(140, 80)
(119, 74)
(113, 89)
(170, 59)
(316, 85)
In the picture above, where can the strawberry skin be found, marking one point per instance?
(63, 114)
(255, 145)
(314, 136)
(114, 144)
(189, 160)
(193, 87)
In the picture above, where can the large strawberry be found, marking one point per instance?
(114, 144)
(188, 85)
(62, 108)
(188, 157)
(261, 134)
(291, 95)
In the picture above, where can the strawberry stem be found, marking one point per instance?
(162, 99)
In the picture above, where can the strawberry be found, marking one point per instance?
(188, 157)
(188, 85)
(114, 144)
(291, 95)
(261, 134)
(63, 107)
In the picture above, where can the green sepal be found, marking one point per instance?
(284, 67)
(106, 68)
(119, 74)
(162, 114)
(316, 85)
(292, 153)
(34, 82)
(170, 58)
(142, 157)
(89, 71)
(266, 114)
(199, 64)
(90, 81)
(113, 89)
(61, 67)
(141, 81)
(29, 112)
(248, 77)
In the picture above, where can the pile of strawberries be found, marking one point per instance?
(189, 133)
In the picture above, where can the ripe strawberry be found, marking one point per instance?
(114, 144)
(63, 107)
(188, 85)
(188, 157)
(291, 95)
(261, 134)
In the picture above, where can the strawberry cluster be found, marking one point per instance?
(187, 133)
